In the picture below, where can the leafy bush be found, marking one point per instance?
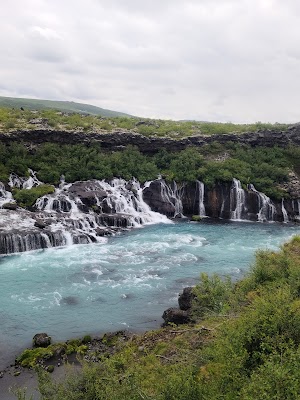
(27, 197)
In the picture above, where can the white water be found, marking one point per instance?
(200, 187)
(5, 196)
(16, 181)
(173, 197)
(125, 282)
(237, 200)
(267, 210)
(284, 212)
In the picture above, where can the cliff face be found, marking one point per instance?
(226, 201)
(117, 140)
(83, 212)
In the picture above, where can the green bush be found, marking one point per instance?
(27, 197)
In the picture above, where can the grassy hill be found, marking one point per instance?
(64, 106)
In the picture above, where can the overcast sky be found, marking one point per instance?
(212, 60)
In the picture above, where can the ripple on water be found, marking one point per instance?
(131, 279)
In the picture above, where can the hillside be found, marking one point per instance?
(63, 106)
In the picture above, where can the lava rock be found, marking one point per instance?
(10, 206)
(175, 316)
(40, 224)
(41, 340)
(185, 299)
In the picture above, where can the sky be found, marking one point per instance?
(209, 60)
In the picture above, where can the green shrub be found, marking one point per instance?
(27, 197)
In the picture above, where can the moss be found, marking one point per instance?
(30, 357)
(50, 368)
(196, 218)
(86, 339)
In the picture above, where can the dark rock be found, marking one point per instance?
(175, 316)
(69, 300)
(40, 224)
(151, 145)
(10, 206)
(152, 195)
(41, 340)
(185, 299)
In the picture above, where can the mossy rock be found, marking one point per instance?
(50, 368)
(196, 218)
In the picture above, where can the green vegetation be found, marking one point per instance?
(27, 197)
(245, 344)
(71, 117)
(63, 106)
(266, 168)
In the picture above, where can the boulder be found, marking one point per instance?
(185, 299)
(175, 316)
(41, 340)
(40, 224)
(9, 206)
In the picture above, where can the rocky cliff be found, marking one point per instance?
(119, 139)
(83, 212)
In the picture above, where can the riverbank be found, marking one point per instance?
(244, 343)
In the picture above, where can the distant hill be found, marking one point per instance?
(64, 106)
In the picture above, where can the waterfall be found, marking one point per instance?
(172, 197)
(82, 212)
(267, 210)
(237, 200)
(5, 196)
(24, 183)
(284, 212)
(200, 187)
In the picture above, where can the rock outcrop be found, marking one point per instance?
(118, 139)
(181, 315)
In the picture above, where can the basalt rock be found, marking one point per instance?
(175, 316)
(118, 139)
(9, 206)
(41, 340)
(185, 299)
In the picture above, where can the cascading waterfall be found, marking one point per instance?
(84, 212)
(237, 200)
(173, 197)
(267, 210)
(284, 212)
(5, 196)
(126, 198)
(63, 219)
(200, 187)
(24, 183)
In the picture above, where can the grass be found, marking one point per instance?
(72, 118)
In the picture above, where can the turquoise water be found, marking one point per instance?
(125, 283)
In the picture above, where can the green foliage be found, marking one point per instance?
(211, 295)
(27, 197)
(266, 168)
(30, 357)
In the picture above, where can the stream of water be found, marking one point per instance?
(125, 282)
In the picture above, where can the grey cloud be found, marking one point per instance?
(227, 60)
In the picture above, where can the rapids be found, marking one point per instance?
(121, 282)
